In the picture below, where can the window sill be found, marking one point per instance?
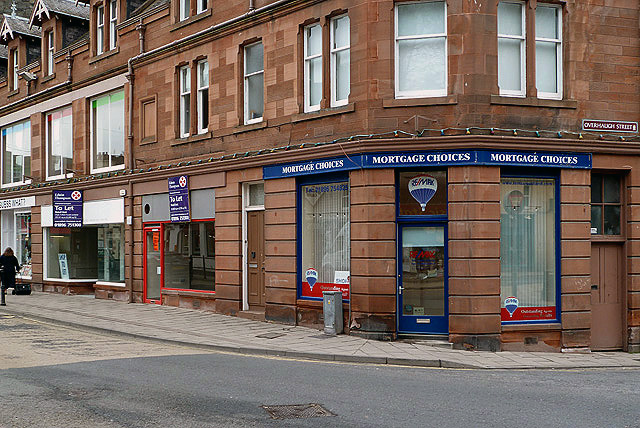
(149, 140)
(104, 284)
(246, 128)
(531, 327)
(14, 92)
(105, 170)
(601, 238)
(104, 55)
(205, 294)
(71, 281)
(48, 78)
(351, 107)
(533, 102)
(191, 139)
(415, 102)
(190, 20)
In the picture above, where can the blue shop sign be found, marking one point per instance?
(179, 199)
(431, 159)
(67, 208)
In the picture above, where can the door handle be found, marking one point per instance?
(400, 288)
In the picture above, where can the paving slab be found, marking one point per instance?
(232, 334)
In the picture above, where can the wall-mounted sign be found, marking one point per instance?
(67, 208)
(430, 159)
(9, 204)
(609, 126)
(179, 199)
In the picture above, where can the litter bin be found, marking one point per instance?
(332, 310)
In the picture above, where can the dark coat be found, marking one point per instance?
(10, 266)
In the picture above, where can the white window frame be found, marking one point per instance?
(185, 92)
(92, 136)
(248, 121)
(428, 93)
(113, 21)
(307, 78)
(100, 30)
(246, 208)
(184, 9)
(334, 54)
(558, 42)
(15, 69)
(523, 51)
(202, 6)
(50, 52)
(48, 145)
(200, 100)
(2, 161)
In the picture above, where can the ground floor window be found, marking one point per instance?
(189, 256)
(325, 238)
(16, 233)
(89, 253)
(528, 280)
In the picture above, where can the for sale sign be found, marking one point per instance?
(179, 199)
(67, 208)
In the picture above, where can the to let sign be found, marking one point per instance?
(609, 125)
(179, 199)
(67, 208)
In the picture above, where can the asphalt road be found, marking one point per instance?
(81, 379)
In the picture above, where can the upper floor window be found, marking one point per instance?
(549, 51)
(16, 153)
(253, 83)
(185, 100)
(100, 30)
(107, 132)
(202, 106)
(113, 21)
(14, 74)
(59, 143)
(512, 48)
(421, 49)
(340, 61)
(312, 67)
(185, 9)
(202, 6)
(50, 52)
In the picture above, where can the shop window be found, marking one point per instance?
(606, 204)
(312, 67)
(325, 238)
(253, 83)
(189, 256)
(88, 253)
(528, 249)
(422, 193)
(202, 106)
(340, 60)
(185, 100)
(421, 49)
(512, 47)
(16, 233)
(59, 143)
(16, 153)
(107, 132)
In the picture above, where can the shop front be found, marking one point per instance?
(16, 231)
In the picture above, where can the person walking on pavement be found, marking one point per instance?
(9, 266)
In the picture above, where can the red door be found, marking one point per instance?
(152, 265)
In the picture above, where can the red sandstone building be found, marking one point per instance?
(462, 169)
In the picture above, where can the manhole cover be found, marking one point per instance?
(270, 335)
(297, 411)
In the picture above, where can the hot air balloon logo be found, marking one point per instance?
(511, 304)
(311, 275)
(515, 202)
(422, 188)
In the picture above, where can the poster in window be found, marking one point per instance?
(422, 193)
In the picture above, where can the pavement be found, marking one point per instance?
(212, 331)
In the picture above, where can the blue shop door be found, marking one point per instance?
(422, 279)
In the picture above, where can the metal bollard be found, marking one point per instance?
(332, 310)
(2, 302)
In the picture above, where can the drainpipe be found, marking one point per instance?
(131, 165)
(251, 5)
(141, 27)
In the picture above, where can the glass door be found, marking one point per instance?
(422, 279)
(153, 265)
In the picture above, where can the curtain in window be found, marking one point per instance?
(527, 241)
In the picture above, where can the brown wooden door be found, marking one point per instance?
(255, 259)
(607, 268)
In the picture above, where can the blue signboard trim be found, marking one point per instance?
(431, 159)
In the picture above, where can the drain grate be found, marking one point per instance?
(297, 411)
